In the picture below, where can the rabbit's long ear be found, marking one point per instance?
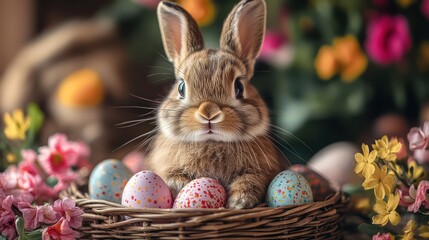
(180, 33)
(244, 30)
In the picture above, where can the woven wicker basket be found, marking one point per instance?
(105, 220)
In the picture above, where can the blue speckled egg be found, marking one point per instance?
(108, 180)
(288, 188)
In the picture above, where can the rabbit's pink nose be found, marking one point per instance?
(209, 112)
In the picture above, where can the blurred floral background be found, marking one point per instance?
(331, 71)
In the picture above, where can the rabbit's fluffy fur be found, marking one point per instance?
(209, 129)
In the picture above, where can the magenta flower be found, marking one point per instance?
(7, 218)
(276, 49)
(425, 8)
(60, 231)
(68, 210)
(421, 197)
(58, 156)
(388, 39)
(34, 215)
(381, 236)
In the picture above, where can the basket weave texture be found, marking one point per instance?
(106, 220)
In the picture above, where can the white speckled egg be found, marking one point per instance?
(147, 190)
(201, 193)
(108, 179)
(288, 188)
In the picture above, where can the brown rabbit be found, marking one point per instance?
(214, 123)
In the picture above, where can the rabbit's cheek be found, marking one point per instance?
(232, 122)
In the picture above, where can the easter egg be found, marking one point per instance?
(201, 193)
(336, 163)
(288, 188)
(147, 190)
(108, 179)
(320, 187)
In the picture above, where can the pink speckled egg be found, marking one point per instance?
(201, 193)
(146, 190)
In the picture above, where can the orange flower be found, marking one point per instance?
(347, 57)
(82, 88)
(423, 59)
(326, 63)
(203, 11)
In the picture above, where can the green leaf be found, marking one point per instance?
(19, 223)
(37, 117)
(52, 181)
(2, 237)
(369, 229)
(35, 235)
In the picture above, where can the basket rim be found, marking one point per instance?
(81, 199)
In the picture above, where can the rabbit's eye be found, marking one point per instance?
(181, 89)
(239, 88)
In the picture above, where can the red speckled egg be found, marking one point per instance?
(319, 185)
(201, 193)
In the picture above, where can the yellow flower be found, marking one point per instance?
(409, 230)
(381, 181)
(386, 149)
(423, 58)
(365, 162)
(404, 3)
(11, 158)
(353, 61)
(82, 88)
(361, 204)
(203, 11)
(16, 125)
(386, 211)
(326, 63)
(414, 171)
(423, 231)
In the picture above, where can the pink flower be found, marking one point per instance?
(28, 163)
(381, 236)
(34, 215)
(421, 197)
(419, 137)
(68, 210)
(134, 161)
(406, 196)
(58, 156)
(61, 231)
(425, 8)
(276, 50)
(388, 39)
(83, 153)
(421, 156)
(7, 218)
(9, 178)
